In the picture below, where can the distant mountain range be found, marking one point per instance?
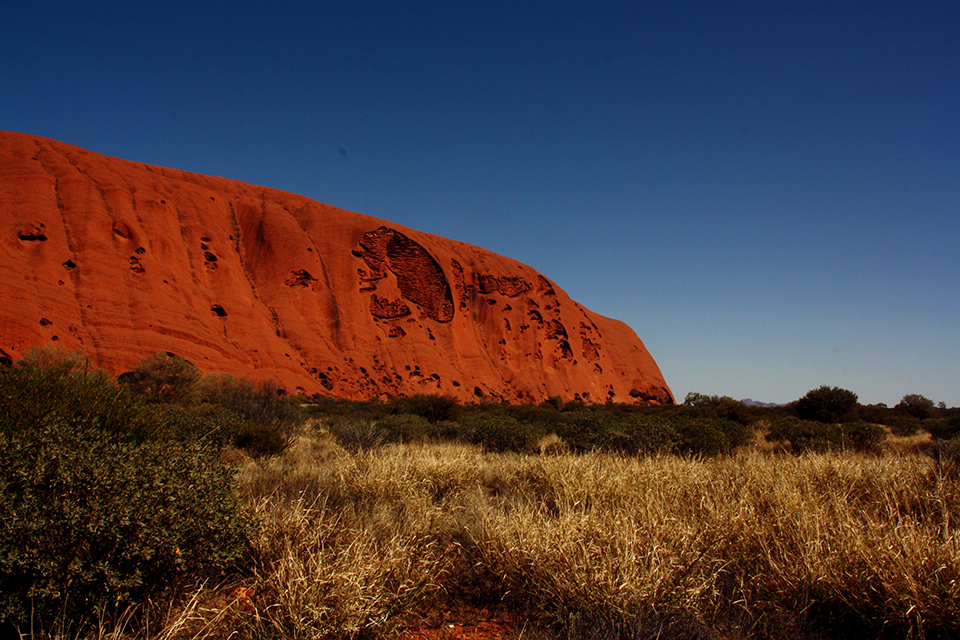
(753, 403)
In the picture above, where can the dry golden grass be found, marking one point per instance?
(754, 545)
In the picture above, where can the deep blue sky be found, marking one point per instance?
(767, 192)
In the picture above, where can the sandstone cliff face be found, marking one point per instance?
(123, 260)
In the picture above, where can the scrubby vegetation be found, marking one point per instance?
(100, 506)
(178, 505)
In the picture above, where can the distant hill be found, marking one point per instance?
(753, 403)
(123, 259)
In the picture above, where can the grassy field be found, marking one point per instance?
(758, 544)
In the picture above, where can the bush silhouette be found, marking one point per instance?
(827, 404)
(916, 405)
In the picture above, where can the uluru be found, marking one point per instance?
(122, 260)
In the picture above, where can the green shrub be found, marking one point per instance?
(205, 422)
(545, 415)
(403, 427)
(700, 436)
(875, 413)
(164, 378)
(432, 407)
(700, 431)
(723, 406)
(804, 435)
(500, 432)
(259, 440)
(807, 435)
(652, 435)
(94, 521)
(902, 424)
(261, 402)
(588, 429)
(445, 430)
(862, 436)
(734, 410)
(947, 455)
(916, 405)
(101, 505)
(943, 428)
(32, 397)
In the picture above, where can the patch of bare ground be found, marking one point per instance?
(462, 621)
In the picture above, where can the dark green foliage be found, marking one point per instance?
(587, 429)
(862, 436)
(674, 430)
(610, 427)
(444, 430)
(809, 435)
(553, 402)
(706, 435)
(218, 408)
(875, 413)
(734, 410)
(432, 407)
(696, 399)
(219, 426)
(164, 378)
(32, 397)
(259, 440)
(947, 455)
(723, 406)
(943, 428)
(827, 404)
(403, 427)
(260, 402)
(59, 362)
(917, 406)
(204, 422)
(902, 424)
(804, 435)
(328, 406)
(652, 435)
(545, 414)
(498, 431)
(635, 435)
(100, 507)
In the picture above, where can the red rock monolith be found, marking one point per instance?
(122, 260)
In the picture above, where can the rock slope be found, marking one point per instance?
(123, 260)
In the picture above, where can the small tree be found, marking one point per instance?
(164, 378)
(917, 406)
(695, 399)
(828, 404)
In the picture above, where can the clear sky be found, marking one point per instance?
(767, 192)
